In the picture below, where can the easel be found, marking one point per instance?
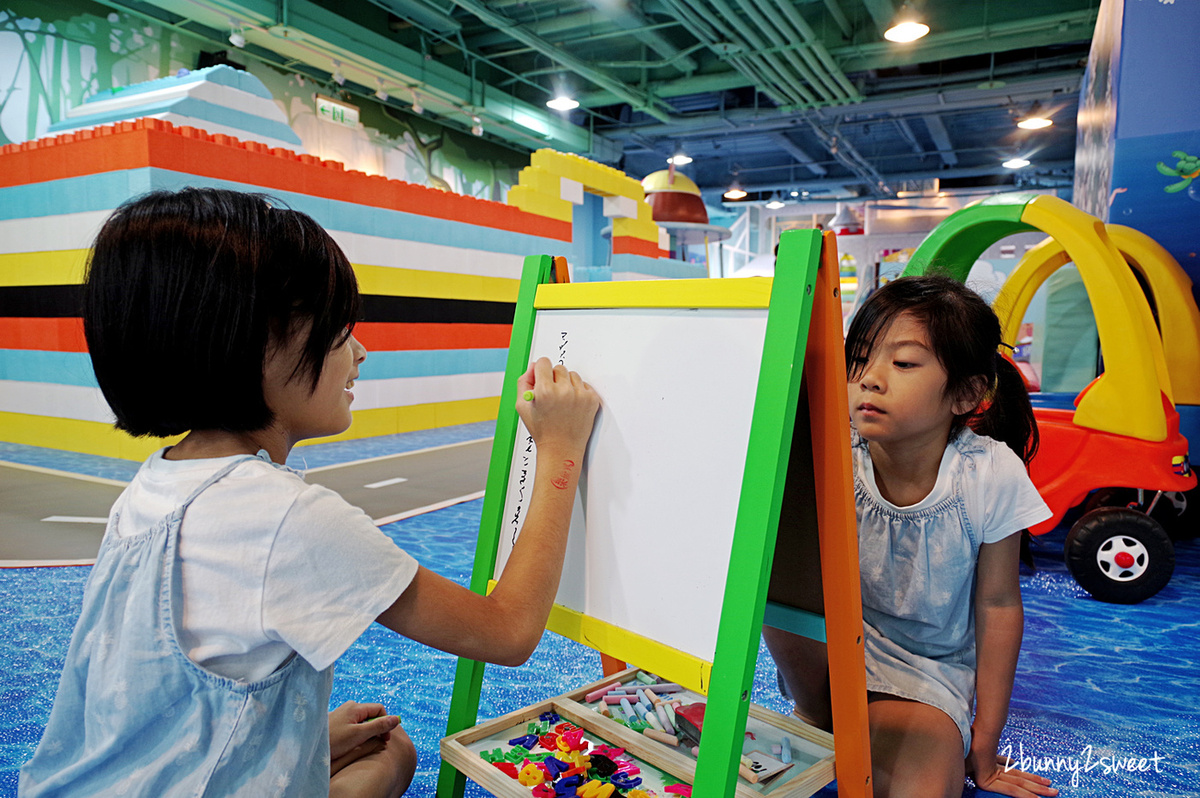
(803, 336)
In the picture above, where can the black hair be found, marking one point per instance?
(185, 294)
(964, 335)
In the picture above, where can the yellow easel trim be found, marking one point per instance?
(749, 292)
(387, 281)
(55, 267)
(98, 438)
(650, 655)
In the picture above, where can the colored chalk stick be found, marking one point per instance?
(654, 688)
(785, 753)
(615, 698)
(599, 691)
(662, 737)
(627, 709)
(664, 719)
(651, 717)
(644, 678)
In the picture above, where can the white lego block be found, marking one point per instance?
(620, 207)
(664, 239)
(571, 190)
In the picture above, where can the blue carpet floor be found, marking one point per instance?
(1099, 686)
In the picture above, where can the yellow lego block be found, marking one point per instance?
(644, 229)
(541, 204)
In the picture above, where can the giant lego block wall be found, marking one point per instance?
(438, 272)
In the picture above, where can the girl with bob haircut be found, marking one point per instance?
(225, 586)
(942, 435)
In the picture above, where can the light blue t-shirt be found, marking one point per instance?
(917, 566)
(134, 716)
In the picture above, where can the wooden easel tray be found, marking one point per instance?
(661, 764)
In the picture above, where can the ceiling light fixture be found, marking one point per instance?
(562, 103)
(1015, 163)
(735, 192)
(680, 158)
(1035, 119)
(476, 126)
(381, 93)
(417, 108)
(338, 77)
(776, 203)
(906, 27)
(237, 36)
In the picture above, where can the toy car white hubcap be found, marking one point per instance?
(1122, 558)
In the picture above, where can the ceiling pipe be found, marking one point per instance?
(806, 32)
(839, 18)
(640, 100)
(784, 82)
(828, 89)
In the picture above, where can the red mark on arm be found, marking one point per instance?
(564, 479)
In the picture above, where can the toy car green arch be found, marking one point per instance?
(1124, 429)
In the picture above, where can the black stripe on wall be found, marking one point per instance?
(57, 301)
(45, 301)
(415, 310)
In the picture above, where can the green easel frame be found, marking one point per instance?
(761, 496)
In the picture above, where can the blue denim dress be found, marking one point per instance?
(135, 717)
(917, 566)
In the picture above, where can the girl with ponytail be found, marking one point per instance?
(942, 434)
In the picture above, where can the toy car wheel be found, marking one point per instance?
(1175, 510)
(1120, 556)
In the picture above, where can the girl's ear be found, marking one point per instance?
(972, 398)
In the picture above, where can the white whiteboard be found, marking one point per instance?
(654, 519)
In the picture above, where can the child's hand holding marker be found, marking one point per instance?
(556, 405)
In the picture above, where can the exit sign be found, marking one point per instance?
(339, 113)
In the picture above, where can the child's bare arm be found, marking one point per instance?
(999, 624)
(506, 626)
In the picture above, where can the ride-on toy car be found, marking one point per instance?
(1120, 437)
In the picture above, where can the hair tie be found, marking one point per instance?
(1009, 347)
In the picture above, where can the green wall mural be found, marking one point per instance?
(54, 55)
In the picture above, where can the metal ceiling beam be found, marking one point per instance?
(1036, 171)
(424, 15)
(901, 104)
(866, 57)
(941, 138)
(800, 155)
(316, 36)
(1041, 31)
(839, 18)
(882, 13)
(639, 99)
(625, 18)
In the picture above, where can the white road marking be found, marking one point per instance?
(319, 469)
(76, 519)
(385, 482)
(69, 475)
(429, 508)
